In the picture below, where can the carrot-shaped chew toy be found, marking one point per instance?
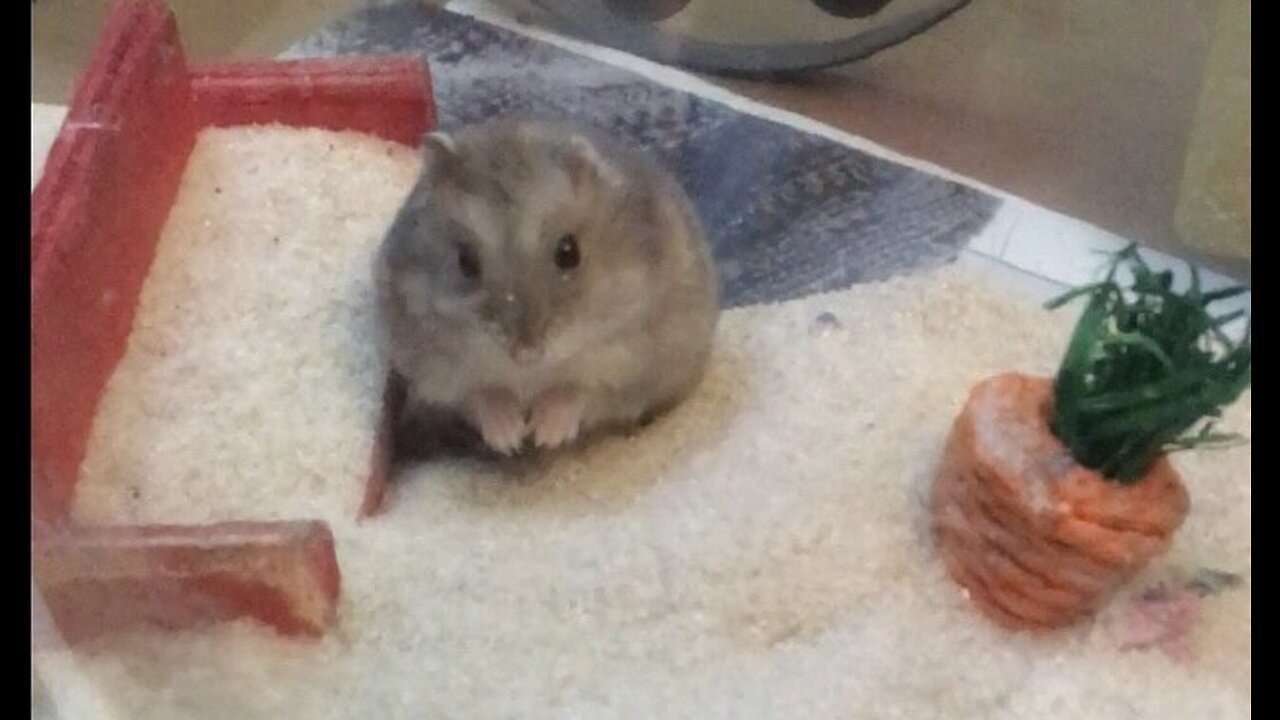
(1052, 493)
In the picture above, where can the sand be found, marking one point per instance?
(250, 385)
(758, 553)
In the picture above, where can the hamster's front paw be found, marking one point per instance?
(497, 415)
(557, 415)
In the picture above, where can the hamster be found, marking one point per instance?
(542, 283)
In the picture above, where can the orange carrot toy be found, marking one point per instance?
(1052, 493)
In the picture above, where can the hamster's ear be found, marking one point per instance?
(440, 155)
(586, 165)
(438, 141)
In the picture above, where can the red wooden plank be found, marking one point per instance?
(383, 449)
(389, 96)
(99, 580)
(97, 214)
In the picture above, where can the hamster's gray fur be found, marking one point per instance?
(544, 282)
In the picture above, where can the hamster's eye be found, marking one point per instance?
(468, 263)
(567, 255)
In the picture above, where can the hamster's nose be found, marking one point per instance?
(526, 338)
(526, 354)
(502, 309)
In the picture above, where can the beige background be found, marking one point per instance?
(1085, 106)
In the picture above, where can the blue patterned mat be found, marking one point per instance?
(789, 213)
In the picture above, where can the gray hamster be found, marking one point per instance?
(543, 282)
